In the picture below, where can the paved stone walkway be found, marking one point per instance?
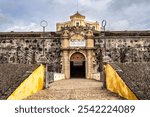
(75, 89)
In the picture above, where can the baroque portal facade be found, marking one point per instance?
(76, 48)
(77, 44)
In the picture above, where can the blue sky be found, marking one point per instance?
(25, 15)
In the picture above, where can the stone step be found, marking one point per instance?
(75, 89)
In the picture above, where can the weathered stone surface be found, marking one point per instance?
(11, 76)
(125, 46)
(137, 78)
(28, 47)
(75, 89)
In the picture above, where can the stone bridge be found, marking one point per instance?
(75, 89)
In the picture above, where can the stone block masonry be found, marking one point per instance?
(28, 47)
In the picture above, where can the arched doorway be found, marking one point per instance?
(77, 65)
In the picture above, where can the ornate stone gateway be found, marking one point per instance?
(77, 47)
(77, 65)
(77, 53)
(78, 60)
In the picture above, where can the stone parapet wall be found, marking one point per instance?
(125, 46)
(28, 47)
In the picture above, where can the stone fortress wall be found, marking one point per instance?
(27, 47)
(125, 46)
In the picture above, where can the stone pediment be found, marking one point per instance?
(77, 37)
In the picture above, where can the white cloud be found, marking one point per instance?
(120, 25)
(94, 4)
(25, 15)
(23, 27)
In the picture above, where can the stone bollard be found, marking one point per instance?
(46, 77)
(103, 79)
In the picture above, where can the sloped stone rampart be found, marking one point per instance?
(11, 76)
(137, 78)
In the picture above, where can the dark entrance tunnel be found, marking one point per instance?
(77, 65)
(77, 69)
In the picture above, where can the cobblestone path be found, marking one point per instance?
(75, 89)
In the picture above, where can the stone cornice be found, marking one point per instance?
(78, 48)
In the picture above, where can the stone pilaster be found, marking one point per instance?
(89, 46)
(89, 64)
(65, 40)
(90, 39)
(66, 64)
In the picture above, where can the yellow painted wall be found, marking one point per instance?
(115, 84)
(31, 85)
